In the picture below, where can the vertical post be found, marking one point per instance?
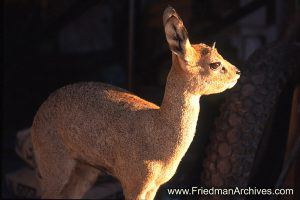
(130, 44)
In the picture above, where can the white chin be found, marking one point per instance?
(232, 84)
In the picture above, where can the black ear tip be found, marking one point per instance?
(169, 7)
(169, 12)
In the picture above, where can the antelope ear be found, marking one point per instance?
(176, 34)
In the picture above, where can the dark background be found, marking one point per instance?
(48, 44)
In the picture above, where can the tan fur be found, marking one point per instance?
(86, 127)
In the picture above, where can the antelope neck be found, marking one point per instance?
(180, 109)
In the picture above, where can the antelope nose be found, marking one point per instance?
(238, 72)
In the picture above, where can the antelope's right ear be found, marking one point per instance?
(176, 34)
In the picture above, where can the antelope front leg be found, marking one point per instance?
(149, 193)
(152, 192)
(140, 190)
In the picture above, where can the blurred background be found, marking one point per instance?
(48, 44)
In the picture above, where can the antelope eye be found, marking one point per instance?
(214, 65)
